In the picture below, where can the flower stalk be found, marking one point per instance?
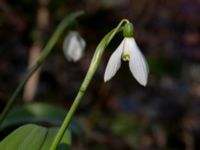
(92, 69)
(46, 51)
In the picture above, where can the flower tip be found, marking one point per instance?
(144, 83)
(106, 78)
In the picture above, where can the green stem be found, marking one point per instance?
(93, 66)
(46, 51)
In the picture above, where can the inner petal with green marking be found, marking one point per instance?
(126, 56)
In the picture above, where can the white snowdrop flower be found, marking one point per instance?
(128, 51)
(73, 46)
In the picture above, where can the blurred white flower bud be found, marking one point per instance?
(73, 46)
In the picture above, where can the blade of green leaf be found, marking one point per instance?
(64, 145)
(34, 137)
(39, 113)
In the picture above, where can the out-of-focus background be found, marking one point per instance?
(119, 114)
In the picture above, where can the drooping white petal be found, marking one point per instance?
(114, 62)
(137, 63)
(73, 46)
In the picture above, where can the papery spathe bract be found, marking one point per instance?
(128, 51)
(73, 46)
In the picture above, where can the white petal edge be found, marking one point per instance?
(82, 42)
(74, 49)
(138, 64)
(66, 44)
(114, 63)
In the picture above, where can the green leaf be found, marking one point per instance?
(39, 113)
(34, 137)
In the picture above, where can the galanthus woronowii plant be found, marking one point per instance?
(73, 47)
(127, 51)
